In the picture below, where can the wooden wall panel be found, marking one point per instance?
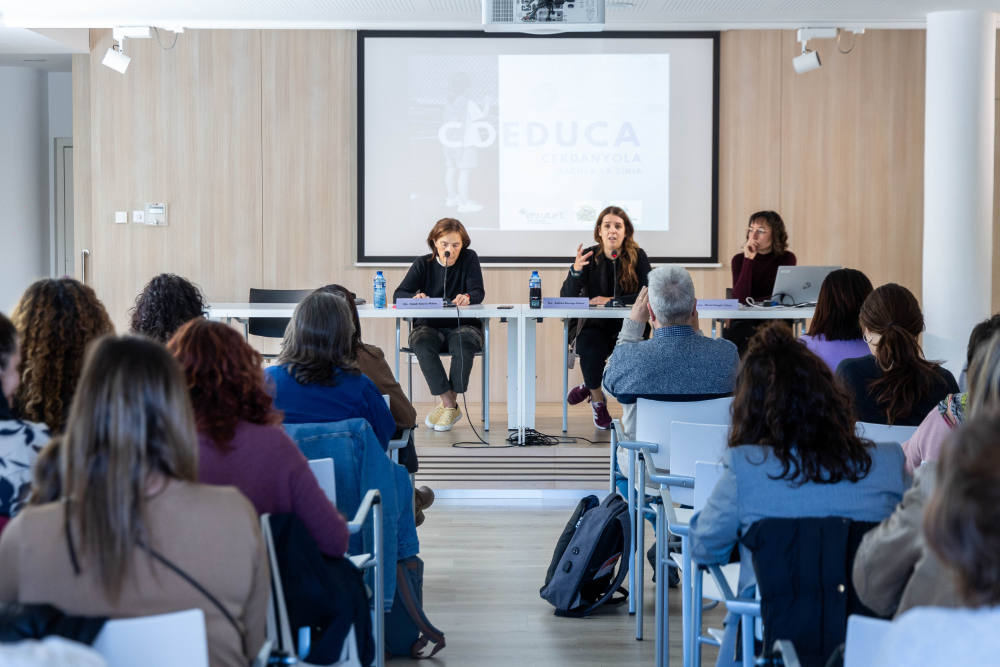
(181, 126)
(852, 155)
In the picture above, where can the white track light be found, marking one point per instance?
(116, 60)
(807, 62)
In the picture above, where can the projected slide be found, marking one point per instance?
(527, 140)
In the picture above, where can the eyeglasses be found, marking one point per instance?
(760, 231)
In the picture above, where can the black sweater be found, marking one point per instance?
(464, 277)
(597, 277)
(858, 373)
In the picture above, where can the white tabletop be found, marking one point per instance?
(220, 310)
(743, 313)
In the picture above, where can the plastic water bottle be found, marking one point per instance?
(535, 290)
(379, 290)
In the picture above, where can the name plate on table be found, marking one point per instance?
(580, 302)
(419, 304)
(718, 304)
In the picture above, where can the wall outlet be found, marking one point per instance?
(139, 216)
(121, 216)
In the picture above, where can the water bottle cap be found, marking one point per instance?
(534, 273)
(379, 273)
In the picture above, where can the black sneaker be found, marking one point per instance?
(673, 575)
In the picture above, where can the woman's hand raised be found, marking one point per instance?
(581, 258)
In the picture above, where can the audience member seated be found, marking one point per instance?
(677, 362)
(240, 440)
(962, 527)
(895, 384)
(371, 362)
(925, 444)
(133, 517)
(894, 569)
(792, 453)
(835, 332)
(165, 303)
(315, 380)
(55, 320)
(20, 441)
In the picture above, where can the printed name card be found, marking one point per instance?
(419, 304)
(718, 304)
(580, 302)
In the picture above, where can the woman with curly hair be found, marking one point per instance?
(240, 439)
(792, 453)
(165, 303)
(56, 319)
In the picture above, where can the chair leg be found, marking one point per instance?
(565, 400)
(640, 555)
(486, 377)
(686, 602)
(748, 647)
(632, 515)
(696, 617)
(662, 610)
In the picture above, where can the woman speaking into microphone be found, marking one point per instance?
(451, 271)
(615, 267)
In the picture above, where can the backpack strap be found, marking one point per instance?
(616, 585)
(428, 633)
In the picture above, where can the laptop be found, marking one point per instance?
(799, 285)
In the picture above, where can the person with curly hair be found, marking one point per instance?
(792, 453)
(56, 319)
(241, 442)
(165, 303)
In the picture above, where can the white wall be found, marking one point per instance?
(60, 125)
(24, 214)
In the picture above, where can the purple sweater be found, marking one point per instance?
(835, 351)
(270, 470)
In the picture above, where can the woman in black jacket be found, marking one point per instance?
(615, 267)
(451, 271)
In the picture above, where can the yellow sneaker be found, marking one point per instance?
(434, 416)
(449, 417)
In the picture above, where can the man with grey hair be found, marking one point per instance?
(677, 363)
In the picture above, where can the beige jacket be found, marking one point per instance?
(894, 570)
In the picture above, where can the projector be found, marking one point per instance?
(543, 16)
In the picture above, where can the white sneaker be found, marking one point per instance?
(449, 417)
(433, 417)
(451, 201)
(469, 207)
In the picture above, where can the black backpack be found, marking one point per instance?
(582, 575)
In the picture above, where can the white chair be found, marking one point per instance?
(399, 443)
(324, 472)
(279, 632)
(884, 433)
(864, 637)
(165, 640)
(653, 419)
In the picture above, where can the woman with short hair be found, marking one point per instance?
(165, 303)
(895, 384)
(135, 534)
(835, 331)
(962, 527)
(615, 267)
(240, 439)
(56, 319)
(792, 453)
(315, 380)
(451, 272)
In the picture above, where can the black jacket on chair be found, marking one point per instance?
(803, 568)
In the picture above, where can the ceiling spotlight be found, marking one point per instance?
(116, 60)
(808, 61)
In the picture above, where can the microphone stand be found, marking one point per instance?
(614, 303)
(445, 301)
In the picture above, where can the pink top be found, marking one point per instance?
(925, 445)
(270, 470)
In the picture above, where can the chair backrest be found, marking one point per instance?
(324, 471)
(653, 419)
(883, 433)
(165, 640)
(690, 443)
(864, 637)
(388, 401)
(273, 327)
(706, 476)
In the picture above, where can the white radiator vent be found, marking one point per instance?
(503, 11)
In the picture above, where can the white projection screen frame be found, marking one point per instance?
(525, 138)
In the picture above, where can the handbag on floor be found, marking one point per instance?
(407, 630)
(582, 576)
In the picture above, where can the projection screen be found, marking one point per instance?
(525, 139)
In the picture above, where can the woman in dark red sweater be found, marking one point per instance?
(755, 270)
(241, 442)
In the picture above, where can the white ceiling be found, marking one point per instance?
(466, 14)
(21, 41)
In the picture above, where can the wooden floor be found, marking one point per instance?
(484, 566)
(456, 459)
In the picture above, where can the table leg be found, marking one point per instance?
(513, 372)
(714, 324)
(397, 349)
(486, 374)
(565, 391)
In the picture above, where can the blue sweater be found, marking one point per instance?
(354, 396)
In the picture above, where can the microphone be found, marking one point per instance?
(444, 282)
(614, 303)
